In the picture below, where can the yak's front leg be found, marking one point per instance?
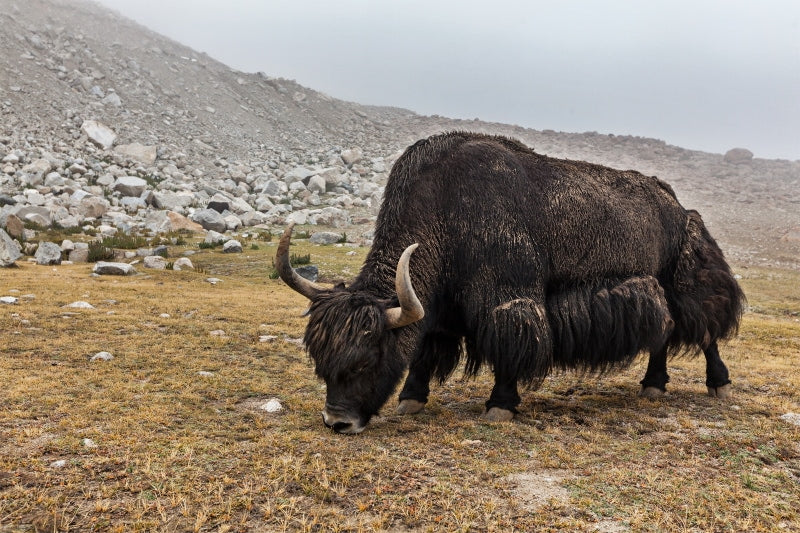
(717, 380)
(438, 350)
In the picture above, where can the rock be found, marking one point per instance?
(103, 268)
(273, 405)
(219, 203)
(253, 218)
(102, 356)
(310, 272)
(182, 263)
(40, 166)
(79, 305)
(67, 245)
(213, 237)
(737, 156)
(792, 418)
(99, 133)
(213, 281)
(297, 174)
(138, 152)
(297, 217)
(130, 186)
(316, 184)
(331, 216)
(210, 220)
(325, 237)
(174, 201)
(232, 247)
(155, 261)
(79, 255)
(9, 300)
(353, 155)
(93, 206)
(14, 226)
(48, 253)
(112, 99)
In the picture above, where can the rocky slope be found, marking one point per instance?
(187, 134)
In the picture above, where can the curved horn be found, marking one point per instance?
(410, 309)
(307, 288)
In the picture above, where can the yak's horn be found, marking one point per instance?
(307, 288)
(410, 309)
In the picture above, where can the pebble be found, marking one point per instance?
(273, 405)
(205, 373)
(102, 356)
(80, 305)
(792, 418)
(10, 300)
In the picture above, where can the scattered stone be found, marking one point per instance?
(181, 263)
(156, 262)
(210, 220)
(103, 268)
(9, 250)
(213, 281)
(325, 237)
(79, 255)
(79, 305)
(205, 373)
(232, 247)
(99, 133)
(89, 443)
(310, 272)
(61, 463)
(130, 186)
(164, 315)
(267, 338)
(9, 300)
(792, 418)
(273, 405)
(351, 156)
(102, 356)
(48, 253)
(217, 333)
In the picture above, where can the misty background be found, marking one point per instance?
(705, 75)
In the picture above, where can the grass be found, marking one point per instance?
(179, 451)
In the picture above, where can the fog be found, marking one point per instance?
(706, 75)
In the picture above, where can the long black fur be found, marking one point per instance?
(526, 264)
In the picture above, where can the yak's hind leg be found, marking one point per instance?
(654, 383)
(717, 381)
(439, 354)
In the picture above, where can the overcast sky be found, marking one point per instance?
(701, 74)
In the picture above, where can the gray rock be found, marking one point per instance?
(138, 152)
(14, 226)
(353, 155)
(325, 237)
(738, 156)
(79, 305)
(181, 263)
(99, 133)
(214, 237)
(130, 186)
(232, 247)
(93, 206)
(48, 253)
(79, 255)
(232, 222)
(297, 174)
(102, 356)
(310, 272)
(112, 99)
(316, 184)
(253, 218)
(155, 261)
(210, 220)
(9, 300)
(103, 268)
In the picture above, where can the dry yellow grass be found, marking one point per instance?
(179, 451)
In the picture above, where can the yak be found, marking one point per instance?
(489, 253)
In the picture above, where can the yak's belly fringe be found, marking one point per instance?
(603, 325)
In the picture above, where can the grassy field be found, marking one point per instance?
(170, 434)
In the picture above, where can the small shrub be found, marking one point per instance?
(125, 242)
(99, 252)
(254, 246)
(343, 238)
(296, 260)
(208, 245)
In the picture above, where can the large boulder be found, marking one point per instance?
(130, 186)
(737, 156)
(103, 268)
(14, 226)
(93, 206)
(210, 219)
(99, 133)
(48, 253)
(9, 250)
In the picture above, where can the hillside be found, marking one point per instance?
(259, 139)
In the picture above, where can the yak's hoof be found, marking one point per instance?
(496, 414)
(651, 393)
(723, 393)
(409, 407)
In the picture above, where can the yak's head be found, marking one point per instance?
(350, 337)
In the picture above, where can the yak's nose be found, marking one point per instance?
(341, 424)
